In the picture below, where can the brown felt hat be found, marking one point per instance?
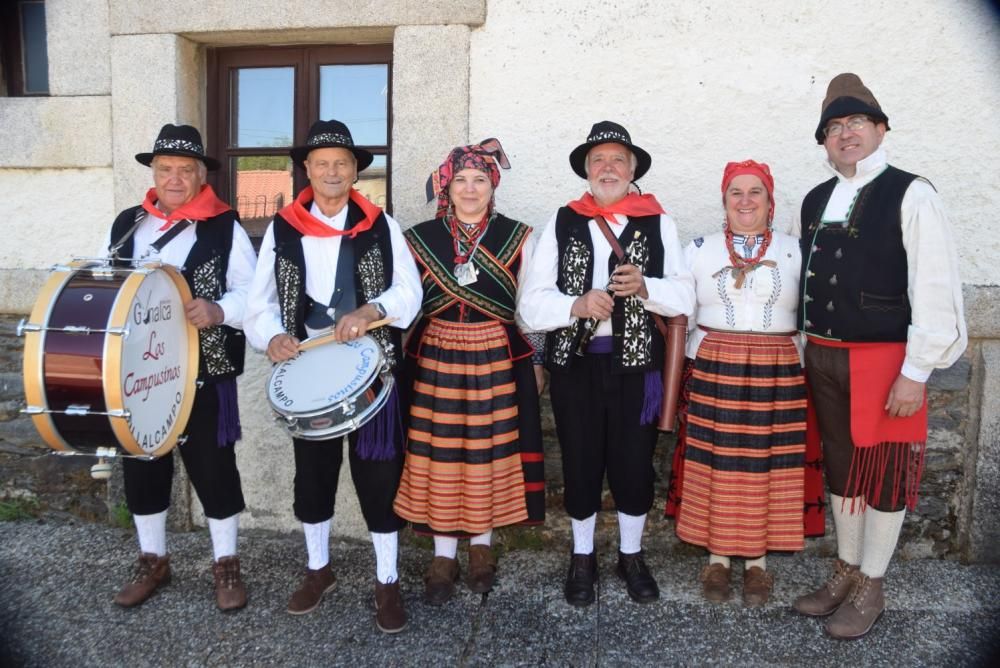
(846, 96)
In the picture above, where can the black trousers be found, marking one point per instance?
(317, 468)
(597, 421)
(211, 469)
(829, 375)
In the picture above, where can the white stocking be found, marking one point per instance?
(152, 530)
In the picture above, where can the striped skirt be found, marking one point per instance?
(474, 450)
(746, 430)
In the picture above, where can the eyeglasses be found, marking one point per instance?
(854, 123)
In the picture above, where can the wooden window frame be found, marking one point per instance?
(306, 61)
(11, 53)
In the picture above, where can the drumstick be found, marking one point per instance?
(331, 337)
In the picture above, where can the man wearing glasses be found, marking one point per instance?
(881, 307)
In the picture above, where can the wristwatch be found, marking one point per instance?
(379, 308)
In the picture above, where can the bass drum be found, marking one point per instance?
(110, 360)
(330, 390)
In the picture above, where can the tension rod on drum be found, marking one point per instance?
(76, 410)
(25, 326)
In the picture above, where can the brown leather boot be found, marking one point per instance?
(150, 572)
(834, 591)
(757, 586)
(440, 579)
(860, 611)
(230, 594)
(310, 593)
(482, 569)
(390, 615)
(715, 583)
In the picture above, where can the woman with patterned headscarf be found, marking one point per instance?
(474, 446)
(742, 467)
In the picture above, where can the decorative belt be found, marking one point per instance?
(740, 331)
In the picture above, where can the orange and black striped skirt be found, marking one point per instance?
(474, 447)
(742, 489)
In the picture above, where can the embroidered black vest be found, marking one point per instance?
(494, 294)
(636, 343)
(854, 274)
(222, 348)
(372, 274)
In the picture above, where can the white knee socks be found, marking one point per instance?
(630, 532)
(317, 544)
(224, 535)
(445, 546)
(849, 527)
(881, 535)
(719, 559)
(152, 530)
(482, 539)
(583, 535)
(386, 554)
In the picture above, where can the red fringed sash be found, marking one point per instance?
(878, 437)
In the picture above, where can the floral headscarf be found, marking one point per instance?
(487, 156)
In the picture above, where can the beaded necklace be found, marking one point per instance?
(741, 267)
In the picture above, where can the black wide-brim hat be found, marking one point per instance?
(607, 132)
(182, 140)
(330, 134)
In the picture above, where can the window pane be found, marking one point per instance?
(358, 96)
(264, 103)
(34, 49)
(372, 182)
(263, 185)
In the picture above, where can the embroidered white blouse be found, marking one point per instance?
(766, 302)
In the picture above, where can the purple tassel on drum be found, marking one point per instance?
(229, 430)
(652, 398)
(377, 437)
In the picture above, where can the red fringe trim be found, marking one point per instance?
(868, 473)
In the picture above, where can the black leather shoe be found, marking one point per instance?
(579, 589)
(638, 580)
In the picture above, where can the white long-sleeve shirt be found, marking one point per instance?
(768, 300)
(543, 307)
(936, 337)
(238, 274)
(401, 300)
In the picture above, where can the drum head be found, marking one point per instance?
(324, 376)
(151, 372)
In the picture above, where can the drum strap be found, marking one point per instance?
(169, 235)
(140, 215)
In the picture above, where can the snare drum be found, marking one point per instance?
(330, 390)
(110, 360)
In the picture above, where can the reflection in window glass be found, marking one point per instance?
(356, 95)
(34, 48)
(372, 182)
(264, 106)
(263, 186)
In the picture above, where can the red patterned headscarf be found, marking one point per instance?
(487, 156)
(758, 169)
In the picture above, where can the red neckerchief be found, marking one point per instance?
(298, 216)
(205, 205)
(632, 204)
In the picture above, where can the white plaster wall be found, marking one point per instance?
(79, 46)
(698, 85)
(52, 214)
